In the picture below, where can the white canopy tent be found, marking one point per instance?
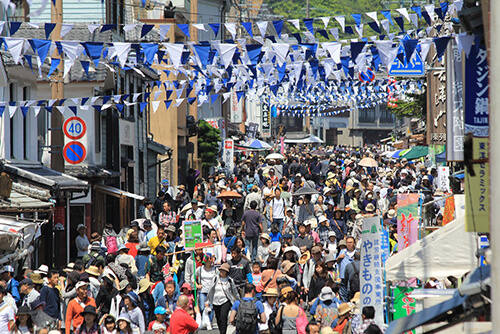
(449, 251)
(311, 139)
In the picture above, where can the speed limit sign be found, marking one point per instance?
(74, 128)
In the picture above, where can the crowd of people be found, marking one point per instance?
(280, 253)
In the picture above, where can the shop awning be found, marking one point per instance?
(437, 313)
(14, 230)
(19, 202)
(45, 177)
(112, 191)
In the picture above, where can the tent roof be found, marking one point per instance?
(447, 251)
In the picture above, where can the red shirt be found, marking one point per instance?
(181, 322)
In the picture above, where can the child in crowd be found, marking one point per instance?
(108, 325)
(160, 325)
(186, 290)
(275, 240)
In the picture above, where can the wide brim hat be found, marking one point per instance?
(345, 308)
(326, 294)
(391, 213)
(143, 247)
(265, 236)
(286, 266)
(271, 292)
(144, 284)
(93, 270)
(305, 257)
(225, 267)
(356, 297)
(370, 207)
(170, 228)
(89, 309)
(69, 267)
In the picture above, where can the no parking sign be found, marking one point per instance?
(74, 152)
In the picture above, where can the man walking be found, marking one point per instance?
(251, 225)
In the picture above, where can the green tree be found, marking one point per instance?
(208, 145)
(412, 105)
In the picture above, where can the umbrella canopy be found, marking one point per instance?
(275, 156)
(306, 191)
(258, 144)
(396, 154)
(315, 139)
(416, 152)
(228, 195)
(188, 207)
(368, 162)
(319, 153)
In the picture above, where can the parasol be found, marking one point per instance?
(228, 195)
(306, 191)
(368, 162)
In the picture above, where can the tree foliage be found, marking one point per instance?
(413, 105)
(208, 144)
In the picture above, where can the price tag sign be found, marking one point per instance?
(74, 128)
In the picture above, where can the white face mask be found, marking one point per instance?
(369, 196)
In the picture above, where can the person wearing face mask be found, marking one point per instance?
(368, 200)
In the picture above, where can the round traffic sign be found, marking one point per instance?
(74, 128)
(74, 152)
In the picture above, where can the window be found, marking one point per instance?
(367, 115)
(385, 114)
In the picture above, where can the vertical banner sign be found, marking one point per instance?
(236, 108)
(404, 305)
(476, 92)
(252, 129)
(266, 120)
(454, 105)
(407, 220)
(372, 285)
(192, 233)
(477, 190)
(228, 155)
(443, 180)
(384, 244)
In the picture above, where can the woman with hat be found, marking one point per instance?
(264, 250)
(90, 324)
(288, 314)
(269, 307)
(134, 312)
(369, 199)
(107, 292)
(82, 242)
(24, 323)
(124, 324)
(143, 256)
(338, 224)
(146, 301)
(204, 277)
(222, 295)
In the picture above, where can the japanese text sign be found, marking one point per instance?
(407, 220)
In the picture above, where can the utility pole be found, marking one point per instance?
(57, 88)
(193, 109)
(307, 9)
(308, 118)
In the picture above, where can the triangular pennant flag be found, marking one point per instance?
(240, 94)
(107, 27)
(97, 107)
(73, 109)
(231, 27)
(184, 28)
(29, 61)
(375, 27)
(14, 27)
(36, 110)
(202, 51)
(296, 23)
(430, 10)
(409, 46)
(441, 44)
(213, 98)
(226, 96)
(357, 18)
(175, 53)
(53, 65)
(359, 30)
(146, 28)
(309, 25)
(444, 7)
(199, 26)
(167, 104)
(281, 72)
(335, 33)
(24, 110)
(325, 20)
(191, 100)
(92, 27)
(248, 28)
(400, 22)
(120, 107)
(341, 21)
(278, 25)
(356, 49)
(66, 28)
(142, 105)
(373, 16)
(129, 27)
(155, 105)
(2, 109)
(226, 53)
(149, 50)
(281, 51)
(464, 42)
(15, 47)
(414, 19)
(215, 27)
(62, 110)
(262, 25)
(94, 50)
(387, 15)
(334, 51)
(417, 10)
(49, 27)
(122, 50)
(386, 25)
(12, 110)
(323, 33)
(404, 12)
(274, 89)
(164, 28)
(386, 51)
(85, 65)
(178, 102)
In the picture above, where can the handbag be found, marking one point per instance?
(301, 322)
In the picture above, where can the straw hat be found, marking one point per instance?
(356, 298)
(271, 292)
(265, 236)
(286, 266)
(305, 257)
(391, 213)
(370, 207)
(345, 308)
(92, 270)
(36, 278)
(144, 284)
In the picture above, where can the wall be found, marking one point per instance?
(89, 11)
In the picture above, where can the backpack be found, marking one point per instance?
(273, 328)
(111, 244)
(354, 281)
(246, 317)
(92, 261)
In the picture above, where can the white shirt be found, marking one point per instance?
(6, 315)
(278, 205)
(267, 310)
(198, 214)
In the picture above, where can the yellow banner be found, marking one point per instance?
(477, 190)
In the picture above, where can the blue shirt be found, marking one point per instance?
(258, 304)
(344, 263)
(52, 299)
(276, 237)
